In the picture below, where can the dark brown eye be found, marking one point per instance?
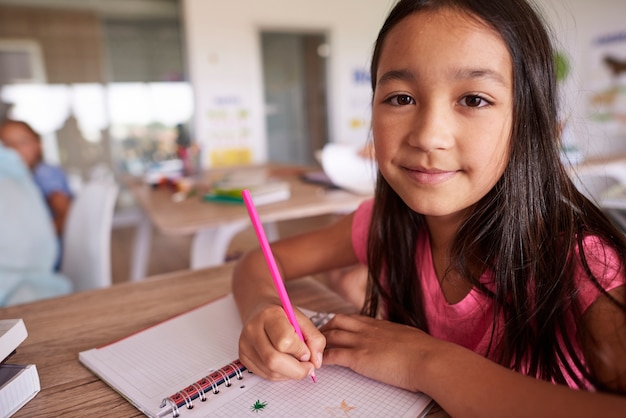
(474, 101)
(401, 100)
(404, 100)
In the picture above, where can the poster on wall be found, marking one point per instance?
(359, 108)
(228, 140)
(607, 86)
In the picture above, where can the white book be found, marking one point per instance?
(175, 364)
(264, 193)
(12, 334)
(18, 385)
(270, 192)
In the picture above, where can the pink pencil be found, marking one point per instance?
(271, 263)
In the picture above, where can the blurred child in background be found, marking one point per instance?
(28, 245)
(50, 179)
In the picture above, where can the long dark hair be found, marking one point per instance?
(525, 230)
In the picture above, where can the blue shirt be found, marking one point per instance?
(51, 179)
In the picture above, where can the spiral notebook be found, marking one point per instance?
(187, 366)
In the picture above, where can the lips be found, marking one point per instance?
(429, 176)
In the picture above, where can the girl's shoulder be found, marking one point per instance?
(601, 256)
(362, 218)
(605, 264)
(360, 226)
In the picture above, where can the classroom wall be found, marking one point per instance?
(594, 97)
(224, 58)
(223, 49)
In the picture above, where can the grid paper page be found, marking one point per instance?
(159, 361)
(339, 392)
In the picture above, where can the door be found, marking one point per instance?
(294, 75)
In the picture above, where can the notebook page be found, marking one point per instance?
(339, 392)
(159, 361)
(153, 364)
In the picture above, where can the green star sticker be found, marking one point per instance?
(258, 406)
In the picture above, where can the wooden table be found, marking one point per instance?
(214, 224)
(58, 329)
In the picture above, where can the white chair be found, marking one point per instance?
(86, 258)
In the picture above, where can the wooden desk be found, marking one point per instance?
(58, 329)
(214, 225)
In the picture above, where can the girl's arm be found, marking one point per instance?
(604, 344)
(466, 384)
(59, 203)
(268, 346)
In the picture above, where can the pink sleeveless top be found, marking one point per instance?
(468, 322)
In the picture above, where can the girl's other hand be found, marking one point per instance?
(381, 350)
(269, 346)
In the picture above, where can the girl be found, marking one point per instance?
(494, 286)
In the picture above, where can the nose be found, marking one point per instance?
(431, 128)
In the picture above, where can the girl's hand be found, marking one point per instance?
(462, 382)
(382, 350)
(269, 347)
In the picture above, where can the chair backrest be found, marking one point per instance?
(86, 258)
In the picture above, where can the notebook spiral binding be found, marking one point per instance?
(222, 376)
(199, 389)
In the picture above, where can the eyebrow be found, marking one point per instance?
(400, 75)
(474, 73)
(458, 74)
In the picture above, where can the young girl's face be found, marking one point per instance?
(442, 111)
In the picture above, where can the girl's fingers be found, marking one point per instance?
(340, 338)
(284, 339)
(315, 340)
(272, 365)
(339, 356)
(352, 323)
(271, 348)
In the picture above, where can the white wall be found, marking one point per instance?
(223, 41)
(225, 65)
(578, 24)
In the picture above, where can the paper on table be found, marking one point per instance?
(150, 365)
(347, 169)
(18, 384)
(12, 334)
(166, 358)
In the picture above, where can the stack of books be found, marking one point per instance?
(264, 190)
(19, 383)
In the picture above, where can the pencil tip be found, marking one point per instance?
(314, 378)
